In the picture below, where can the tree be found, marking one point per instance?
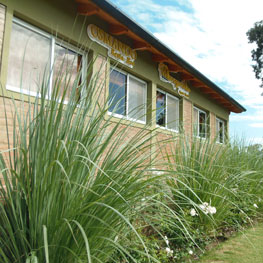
(255, 35)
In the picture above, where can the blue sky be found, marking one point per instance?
(211, 36)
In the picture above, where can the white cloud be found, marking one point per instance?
(256, 125)
(256, 116)
(214, 40)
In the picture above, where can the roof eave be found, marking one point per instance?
(152, 40)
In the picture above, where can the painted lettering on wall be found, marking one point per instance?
(181, 87)
(116, 49)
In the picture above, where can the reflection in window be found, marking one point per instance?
(200, 123)
(220, 130)
(136, 99)
(160, 108)
(66, 67)
(29, 58)
(35, 57)
(127, 96)
(117, 93)
(167, 111)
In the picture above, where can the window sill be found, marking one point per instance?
(124, 118)
(166, 129)
(21, 92)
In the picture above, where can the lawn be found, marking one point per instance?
(245, 247)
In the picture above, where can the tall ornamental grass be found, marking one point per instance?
(74, 181)
(78, 188)
(216, 189)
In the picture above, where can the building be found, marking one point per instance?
(151, 83)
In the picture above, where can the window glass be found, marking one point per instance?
(220, 130)
(29, 58)
(172, 113)
(136, 99)
(167, 111)
(160, 108)
(66, 66)
(117, 92)
(127, 96)
(195, 122)
(200, 123)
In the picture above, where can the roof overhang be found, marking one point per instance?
(121, 24)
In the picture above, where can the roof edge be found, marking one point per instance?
(156, 43)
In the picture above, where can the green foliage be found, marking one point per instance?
(255, 35)
(226, 177)
(73, 180)
(77, 188)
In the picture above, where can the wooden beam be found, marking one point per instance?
(226, 104)
(174, 68)
(188, 77)
(159, 58)
(118, 30)
(206, 90)
(197, 84)
(87, 9)
(137, 45)
(216, 97)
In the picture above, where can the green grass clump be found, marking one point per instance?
(216, 189)
(77, 188)
(73, 180)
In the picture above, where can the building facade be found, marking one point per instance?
(144, 82)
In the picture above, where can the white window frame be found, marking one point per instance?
(53, 42)
(177, 113)
(128, 76)
(218, 121)
(198, 124)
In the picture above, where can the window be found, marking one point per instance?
(167, 111)
(127, 96)
(200, 123)
(32, 56)
(220, 130)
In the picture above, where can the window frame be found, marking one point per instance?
(127, 87)
(178, 113)
(198, 123)
(53, 42)
(219, 120)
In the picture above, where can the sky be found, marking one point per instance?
(211, 36)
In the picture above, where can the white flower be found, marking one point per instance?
(208, 209)
(193, 212)
(204, 206)
(169, 252)
(166, 240)
(255, 205)
(143, 199)
(211, 210)
(191, 252)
